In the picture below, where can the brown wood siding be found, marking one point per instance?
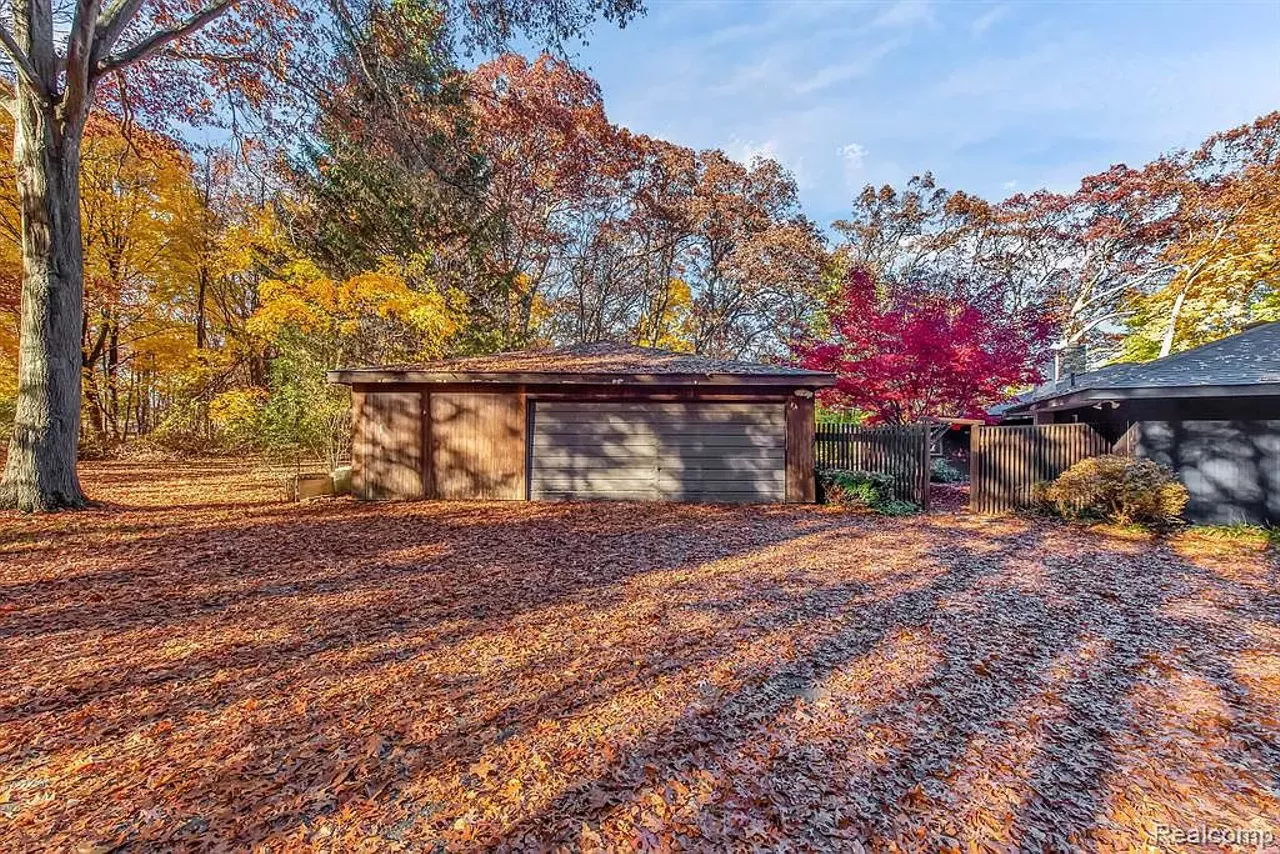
(730, 452)
(386, 452)
(477, 445)
(898, 450)
(801, 466)
(1006, 463)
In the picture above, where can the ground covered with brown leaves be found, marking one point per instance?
(199, 664)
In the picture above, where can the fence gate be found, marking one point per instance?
(899, 451)
(1006, 463)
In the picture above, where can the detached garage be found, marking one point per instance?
(597, 421)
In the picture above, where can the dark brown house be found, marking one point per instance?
(597, 421)
(1211, 414)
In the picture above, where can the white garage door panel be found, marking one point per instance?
(659, 451)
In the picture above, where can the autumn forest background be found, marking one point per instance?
(414, 204)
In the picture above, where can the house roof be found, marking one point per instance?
(1247, 363)
(589, 363)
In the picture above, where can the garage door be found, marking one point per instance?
(731, 452)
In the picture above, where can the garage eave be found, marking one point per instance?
(1081, 398)
(381, 376)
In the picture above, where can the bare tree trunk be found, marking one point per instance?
(111, 375)
(1170, 331)
(203, 286)
(97, 413)
(40, 473)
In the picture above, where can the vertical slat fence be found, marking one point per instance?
(1006, 463)
(899, 451)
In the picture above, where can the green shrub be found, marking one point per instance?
(896, 507)
(942, 471)
(867, 489)
(856, 488)
(1117, 489)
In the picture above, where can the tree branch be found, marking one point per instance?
(156, 41)
(111, 25)
(23, 63)
(79, 57)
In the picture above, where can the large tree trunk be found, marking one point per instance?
(40, 473)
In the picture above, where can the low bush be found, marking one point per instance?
(865, 489)
(1117, 489)
(943, 471)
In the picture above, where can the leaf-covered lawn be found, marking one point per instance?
(201, 664)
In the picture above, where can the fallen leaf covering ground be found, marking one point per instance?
(198, 664)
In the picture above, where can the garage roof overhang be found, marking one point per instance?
(1089, 397)
(380, 376)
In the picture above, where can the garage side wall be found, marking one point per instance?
(477, 445)
(386, 444)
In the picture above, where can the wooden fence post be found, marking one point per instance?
(926, 467)
(975, 465)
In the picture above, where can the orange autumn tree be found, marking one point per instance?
(137, 203)
(370, 318)
(139, 210)
(622, 236)
(548, 146)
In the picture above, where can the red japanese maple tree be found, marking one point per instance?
(904, 352)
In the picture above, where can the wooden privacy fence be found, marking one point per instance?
(899, 451)
(1006, 463)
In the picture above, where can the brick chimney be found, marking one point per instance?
(1069, 360)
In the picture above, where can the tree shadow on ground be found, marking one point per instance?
(525, 675)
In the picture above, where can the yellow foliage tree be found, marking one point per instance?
(668, 323)
(1226, 261)
(374, 316)
(137, 205)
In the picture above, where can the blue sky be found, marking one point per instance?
(994, 97)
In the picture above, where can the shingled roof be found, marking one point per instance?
(1245, 363)
(588, 363)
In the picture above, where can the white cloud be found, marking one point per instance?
(905, 13)
(979, 25)
(736, 33)
(748, 77)
(746, 150)
(853, 155)
(854, 158)
(863, 65)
